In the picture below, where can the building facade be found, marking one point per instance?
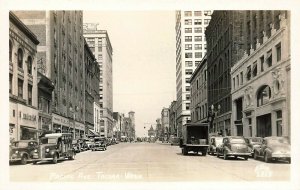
(92, 80)
(172, 118)
(261, 79)
(224, 37)
(190, 49)
(165, 113)
(99, 43)
(119, 124)
(158, 129)
(198, 81)
(23, 100)
(60, 54)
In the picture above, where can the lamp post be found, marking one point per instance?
(212, 114)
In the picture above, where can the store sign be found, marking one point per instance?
(29, 117)
(60, 120)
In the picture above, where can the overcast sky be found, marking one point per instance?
(143, 61)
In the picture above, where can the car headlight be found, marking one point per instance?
(35, 150)
(47, 150)
(17, 152)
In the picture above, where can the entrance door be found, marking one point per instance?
(264, 126)
(239, 130)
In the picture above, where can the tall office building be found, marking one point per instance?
(99, 43)
(190, 49)
(60, 58)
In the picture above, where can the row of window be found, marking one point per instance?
(253, 70)
(190, 63)
(190, 55)
(21, 89)
(197, 13)
(199, 113)
(190, 46)
(196, 21)
(20, 56)
(196, 38)
(196, 30)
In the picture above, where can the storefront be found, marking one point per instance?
(79, 130)
(60, 124)
(23, 122)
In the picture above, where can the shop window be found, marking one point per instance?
(263, 95)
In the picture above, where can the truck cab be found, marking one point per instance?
(194, 138)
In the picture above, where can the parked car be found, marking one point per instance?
(100, 144)
(233, 146)
(274, 148)
(253, 142)
(214, 143)
(23, 151)
(89, 144)
(76, 146)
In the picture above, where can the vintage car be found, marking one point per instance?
(76, 146)
(274, 148)
(100, 143)
(233, 146)
(252, 143)
(174, 140)
(56, 146)
(214, 144)
(23, 151)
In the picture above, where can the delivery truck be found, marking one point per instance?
(194, 138)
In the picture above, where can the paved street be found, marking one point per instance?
(149, 162)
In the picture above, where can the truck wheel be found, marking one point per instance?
(203, 153)
(217, 153)
(185, 152)
(246, 157)
(24, 160)
(55, 158)
(267, 160)
(255, 156)
(72, 157)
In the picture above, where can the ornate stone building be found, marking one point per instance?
(23, 100)
(261, 79)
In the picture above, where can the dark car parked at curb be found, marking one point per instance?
(214, 143)
(76, 146)
(253, 142)
(274, 148)
(23, 151)
(100, 143)
(233, 146)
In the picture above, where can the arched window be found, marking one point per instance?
(29, 65)
(263, 95)
(20, 58)
(10, 51)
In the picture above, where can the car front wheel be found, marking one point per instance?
(255, 155)
(24, 160)
(55, 158)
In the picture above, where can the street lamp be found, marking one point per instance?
(212, 114)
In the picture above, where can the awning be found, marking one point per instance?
(92, 133)
(31, 129)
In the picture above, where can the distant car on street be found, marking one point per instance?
(100, 144)
(23, 151)
(253, 142)
(174, 140)
(274, 148)
(233, 146)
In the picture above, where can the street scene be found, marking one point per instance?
(149, 162)
(112, 96)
